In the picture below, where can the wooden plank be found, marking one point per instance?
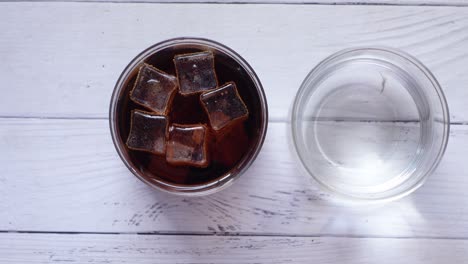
(55, 248)
(63, 59)
(313, 2)
(64, 175)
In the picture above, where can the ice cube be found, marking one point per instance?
(154, 89)
(187, 145)
(195, 72)
(224, 106)
(147, 132)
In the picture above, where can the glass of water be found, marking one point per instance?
(370, 123)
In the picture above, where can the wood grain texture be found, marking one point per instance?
(135, 249)
(64, 175)
(63, 59)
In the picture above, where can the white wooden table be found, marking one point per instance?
(65, 196)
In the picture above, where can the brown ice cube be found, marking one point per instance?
(154, 89)
(147, 132)
(187, 145)
(195, 72)
(224, 106)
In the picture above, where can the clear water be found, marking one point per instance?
(365, 134)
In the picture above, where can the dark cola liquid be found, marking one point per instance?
(225, 151)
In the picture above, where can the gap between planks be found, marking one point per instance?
(270, 2)
(270, 120)
(230, 234)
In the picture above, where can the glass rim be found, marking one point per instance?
(299, 101)
(222, 181)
